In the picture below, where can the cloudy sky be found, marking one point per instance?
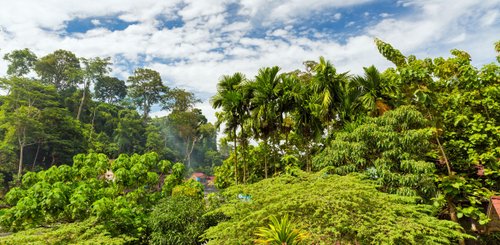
(192, 43)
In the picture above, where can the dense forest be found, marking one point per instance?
(59, 105)
(408, 155)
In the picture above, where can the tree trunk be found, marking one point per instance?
(453, 216)
(441, 149)
(22, 143)
(191, 151)
(243, 158)
(309, 167)
(235, 159)
(188, 160)
(84, 95)
(146, 108)
(53, 159)
(92, 127)
(20, 170)
(265, 166)
(36, 156)
(452, 209)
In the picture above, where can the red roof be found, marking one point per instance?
(198, 174)
(495, 203)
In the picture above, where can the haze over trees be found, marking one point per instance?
(407, 155)
(59, 105)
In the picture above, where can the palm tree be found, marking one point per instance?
(350, 106)
(229, 98)
(326, 83)
(306, 116)
(263, 105)
(372, 86)
(286, 102)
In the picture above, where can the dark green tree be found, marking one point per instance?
(110, 89)
(146, 89)
(129, 135)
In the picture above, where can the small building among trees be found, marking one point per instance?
(199, 176)
(494, 214)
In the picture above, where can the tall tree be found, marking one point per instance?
(185, 119)
(179, 100)
(21, 112)
(229, 98)
(110, 89)
(21, 62)
(60, 68)
(93, 69)
(189, 126)
(146, 89)
(266, 116)
(306, 117)
(24, 126)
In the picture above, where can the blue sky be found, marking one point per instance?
(193, 43)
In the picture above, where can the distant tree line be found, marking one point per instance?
(58, 105)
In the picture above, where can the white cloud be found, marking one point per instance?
(337, 16)
(436, 23)
(490, 18)
(459, 38)
(96, 22)
(288, 11)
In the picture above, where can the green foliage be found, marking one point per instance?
(129, 133)
(392, 149)
(60, 68)
(31, 117)
(177, 220)
(119, 193)
(21, 62)
(373, 91)
(461, 102)
(110, 89)
(390, 53)
(86, 232)
(279, 232)
(190, 188)
(330, 209)
(146, 89)
(470, 119)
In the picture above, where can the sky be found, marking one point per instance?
(193, 43)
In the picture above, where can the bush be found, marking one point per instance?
(330, 209)
(177, 220)
(86, 232)
(120, 201)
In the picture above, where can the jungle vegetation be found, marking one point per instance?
(405, 155)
